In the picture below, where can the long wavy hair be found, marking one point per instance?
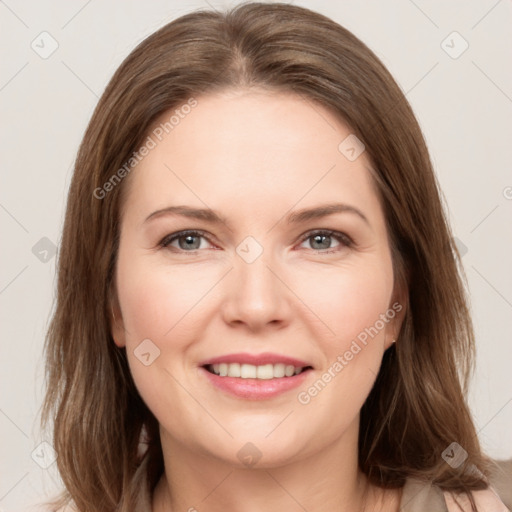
(417, 406)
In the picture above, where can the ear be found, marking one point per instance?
(117, 329)
(396, 314)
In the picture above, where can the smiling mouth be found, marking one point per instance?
(249, 371)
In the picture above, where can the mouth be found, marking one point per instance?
(260, 372)
(255, 377)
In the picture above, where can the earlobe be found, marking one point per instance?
(398, 307)
(392, 332)
(116, 324)
(390, 339)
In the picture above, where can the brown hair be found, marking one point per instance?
(417, 406)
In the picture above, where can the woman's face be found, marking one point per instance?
(266, 288)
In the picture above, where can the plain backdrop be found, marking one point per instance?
(56, 59)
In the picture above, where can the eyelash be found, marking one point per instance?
(344, 239)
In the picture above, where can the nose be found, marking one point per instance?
(256, 296)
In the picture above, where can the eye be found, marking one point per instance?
(322, 239)
(188, 241)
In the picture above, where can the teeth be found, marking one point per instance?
(265, 372)
(234, 370)
(279, 370)
(249, 371)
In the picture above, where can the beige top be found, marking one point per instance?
(418, 496)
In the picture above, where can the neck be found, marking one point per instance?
(327, 480)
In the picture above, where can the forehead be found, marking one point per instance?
(248, 149)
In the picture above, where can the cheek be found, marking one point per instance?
(157, 302)
(347, 301)
(160, 307)
(351, 306)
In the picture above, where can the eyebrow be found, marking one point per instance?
(296, 217)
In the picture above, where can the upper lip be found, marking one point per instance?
(256, 359)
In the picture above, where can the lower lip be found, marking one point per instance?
(255, 389)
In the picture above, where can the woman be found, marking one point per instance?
(259, 302)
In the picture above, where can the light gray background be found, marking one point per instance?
(464, 106)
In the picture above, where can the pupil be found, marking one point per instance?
(325, 237)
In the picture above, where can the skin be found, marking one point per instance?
(255, 157)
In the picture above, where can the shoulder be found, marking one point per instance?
(420, 496)
(501, 481)
(500, 489)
